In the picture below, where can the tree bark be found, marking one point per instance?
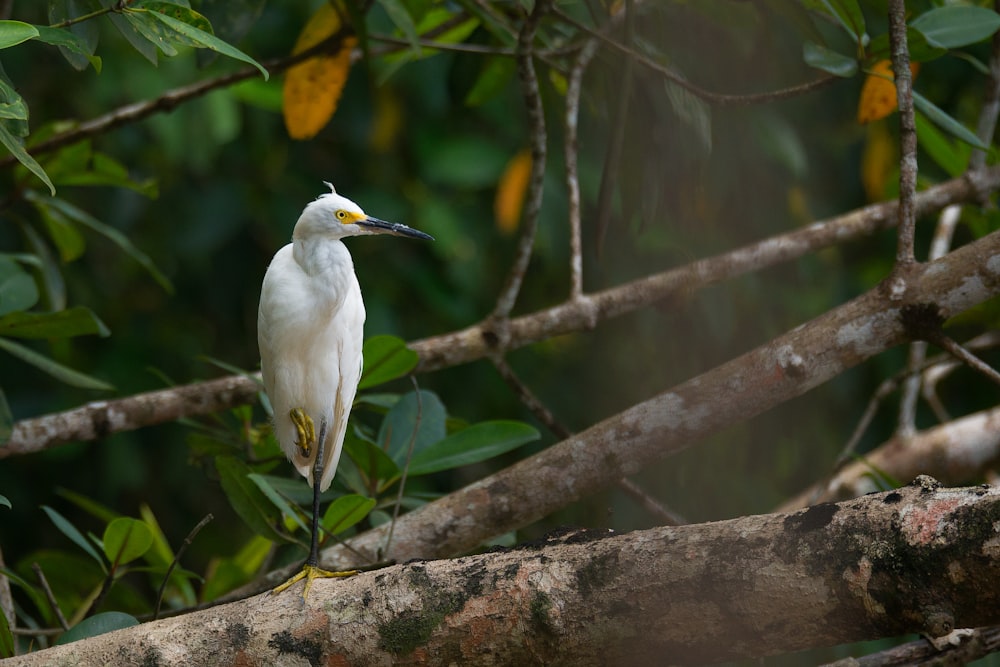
(919, 559)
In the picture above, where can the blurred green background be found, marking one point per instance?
(407, 146)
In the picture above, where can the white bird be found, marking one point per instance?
(310, 332)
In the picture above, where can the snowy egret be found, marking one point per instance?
(309, 330)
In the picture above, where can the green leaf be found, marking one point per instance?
(50, 273)
(70, 531)
(345, 512)
(849, 14)
(53, 368)
(400, 16)
(145, 24)
(107, 231)
(477, 443)
(86, 33)
(5, 501)
(265, 487)
(370, 460)
(946, 122)
(65, 39)
(946, 154)
(78, 321)
(495, 75)
(92, 507)
(954, 26)
(256, 510)
(385, 358)
(126, 539)
(17, 288)
(195, 36)
(16, 148)
(397, 429)
(98, 624)
(829, 60)
(13, 33)
(64, 234)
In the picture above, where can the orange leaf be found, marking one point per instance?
(511, 190)
(878, 94)
(313, 87)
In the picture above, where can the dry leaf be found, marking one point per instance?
(313, 87)
(878, 94)
(511, 191)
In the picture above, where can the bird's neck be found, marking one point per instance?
(322, 257)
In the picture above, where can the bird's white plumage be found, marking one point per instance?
(310, 331)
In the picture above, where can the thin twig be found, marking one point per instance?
(571, 149)
(528, 398)
(962, 354)
(406, 466)
(907, 131)
(719, 99)
(665, 516)
(536, 128)
(50, 596)
(177, 557)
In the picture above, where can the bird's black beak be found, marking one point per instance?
(382, 227)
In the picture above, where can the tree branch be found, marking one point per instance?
(622, 445)
(727, 590)
(907, 132)
(105, 417)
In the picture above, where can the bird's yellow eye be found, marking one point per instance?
(342, 215)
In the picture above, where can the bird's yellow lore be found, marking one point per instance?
(310, 329)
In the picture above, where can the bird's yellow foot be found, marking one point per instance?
(306, 429)
(310, 572)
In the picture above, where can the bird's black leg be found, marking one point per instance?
(318, 467)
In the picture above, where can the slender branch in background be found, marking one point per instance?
(571, 148)
(719, 99)
(528, 398)
(962, 354)
(102, 418)
(935, 366)
(941, 244)
(50, 596)
(907, 133)
(177, 558)
(665, 516)
(619, 126)
(536, 128)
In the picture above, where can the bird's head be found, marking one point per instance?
(334, 217)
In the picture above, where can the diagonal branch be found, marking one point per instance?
(102, 418)
(731, 393)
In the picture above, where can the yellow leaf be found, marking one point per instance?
(313, 87)
(878, 161)
(878, 94)
(511, 190)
